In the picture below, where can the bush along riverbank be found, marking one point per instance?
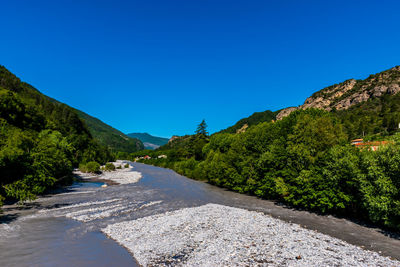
(304, 160)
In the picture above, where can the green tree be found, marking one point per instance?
(202, 128)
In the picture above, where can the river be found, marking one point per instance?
(63, 230)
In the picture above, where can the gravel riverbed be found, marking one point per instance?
(164, 219)
(217, 235)
(118, 176)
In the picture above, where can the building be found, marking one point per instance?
(372, 145)
(357, 141)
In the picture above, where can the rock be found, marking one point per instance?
(393, 89)
(173, 138)
(243, 128)
(351, 92)
(285, 112)
(379, 90)
(216, 235)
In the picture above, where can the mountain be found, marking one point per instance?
(149, 141)
(110, 137)
(306, 159)
(351, 92)
(255, 118)
(41, 140)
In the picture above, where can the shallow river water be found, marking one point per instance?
(64, 229)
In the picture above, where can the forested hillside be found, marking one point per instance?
(305, 159)
(374, 118)
(40, 140)
(110, 137)
(255, 118)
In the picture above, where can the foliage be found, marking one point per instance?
(126, 165)
(254, 119)
(377, 116)
(304, 160)
(41, 140)
(109, 167)
(90, 167)
(110, 137)
(202, 128)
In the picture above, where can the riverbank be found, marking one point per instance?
(121, 175)
(170, 210)
(216, 235)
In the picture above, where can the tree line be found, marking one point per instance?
(41, 141)
(304, 160)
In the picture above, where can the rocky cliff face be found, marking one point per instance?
(351, 92)
(173, 138)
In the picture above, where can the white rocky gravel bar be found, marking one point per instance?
(216, 235)
(120, 176)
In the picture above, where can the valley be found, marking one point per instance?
(160, 205)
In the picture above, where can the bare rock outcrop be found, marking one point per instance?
(173, 138)
(285, 112)
(243, 128)
(324, 98)
(351, 92)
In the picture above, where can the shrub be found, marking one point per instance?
(126, 165)
(93, 167)
(119, 167)
(109, 167)
(83, 168)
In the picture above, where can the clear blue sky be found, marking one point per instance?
(162, 66)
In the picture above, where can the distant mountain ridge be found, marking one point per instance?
(149, 141)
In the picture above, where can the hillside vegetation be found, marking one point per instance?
(305, 159)
(254, 119)
(374, 118)
(106, 135)
(40, 140)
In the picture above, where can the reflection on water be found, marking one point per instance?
(64, 229)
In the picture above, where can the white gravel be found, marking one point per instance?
(216, 235)
(120, 176)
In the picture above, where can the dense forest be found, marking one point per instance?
(41, 140)
(304, 160)
(375, 118)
